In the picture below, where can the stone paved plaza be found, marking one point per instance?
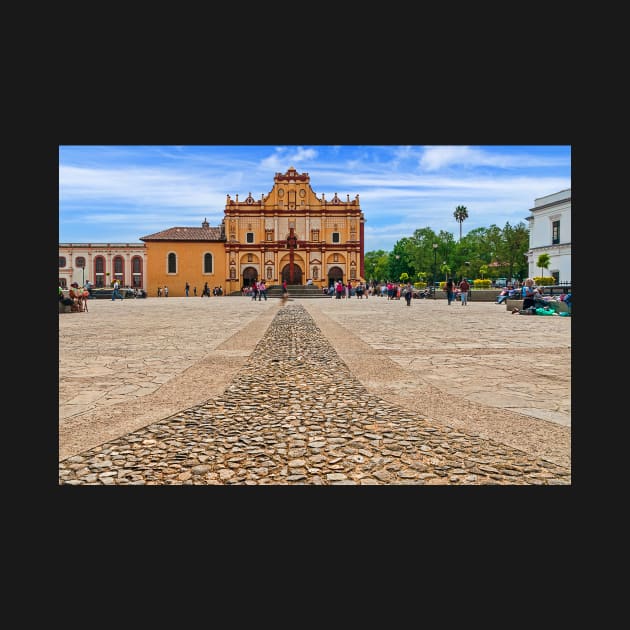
(196, 391)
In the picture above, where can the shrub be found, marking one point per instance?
(478, 283)
(544, 280)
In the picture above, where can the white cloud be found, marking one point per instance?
(435, 158)
(282, 158)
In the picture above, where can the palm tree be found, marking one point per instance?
(543, 262)
(460, 214)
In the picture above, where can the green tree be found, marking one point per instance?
(422, 276)
(445, 269)
(404, 276)
(483, 270)
(375, 264)
(460, 214)
(515, 243)
(543, 262)
(419, 250)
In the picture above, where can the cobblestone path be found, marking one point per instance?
(295, 414)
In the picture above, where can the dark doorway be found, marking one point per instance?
(297, 274)
(334, 274)
(250, 275)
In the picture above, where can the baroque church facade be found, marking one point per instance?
(291, 234)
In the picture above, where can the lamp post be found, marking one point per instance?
(434, 267)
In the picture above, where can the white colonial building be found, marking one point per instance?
(550, 233)
(101, 263)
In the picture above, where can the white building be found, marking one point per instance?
(550, 233)
(100, 263)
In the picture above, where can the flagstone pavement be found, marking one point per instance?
(225, 390)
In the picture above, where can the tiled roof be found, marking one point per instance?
(186, 234)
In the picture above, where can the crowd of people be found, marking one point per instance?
(76, 299)
(534, 302)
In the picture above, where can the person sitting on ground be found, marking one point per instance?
(533, 310)
(568, 301)
(530, 295)
(66, 301)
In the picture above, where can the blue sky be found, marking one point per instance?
(117, 194)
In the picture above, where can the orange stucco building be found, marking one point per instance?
(289, 234)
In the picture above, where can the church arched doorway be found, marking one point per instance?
(250, 275)
(334, 274)
(297, 274)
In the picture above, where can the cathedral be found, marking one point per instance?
(289, 234)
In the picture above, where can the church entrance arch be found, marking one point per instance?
(334, 274)
(297, 274)
(250, 275)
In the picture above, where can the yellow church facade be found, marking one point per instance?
(289, 234)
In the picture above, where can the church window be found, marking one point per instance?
(207, 262)
(172, 263)
(118, 269)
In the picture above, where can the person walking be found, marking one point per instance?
(408, 292)
(338, 289)
(195, 291)
(449, 290)
(464, 287)
(262, 290)
(187, 289)
(115, 292)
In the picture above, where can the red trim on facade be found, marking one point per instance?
(361, 250)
